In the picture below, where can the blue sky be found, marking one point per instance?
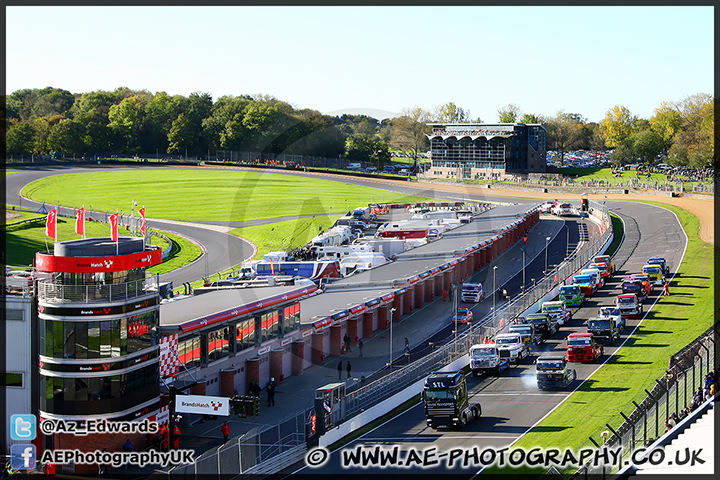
(374, 60)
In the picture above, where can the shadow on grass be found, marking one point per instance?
(589, 385)
(630, 362)
(643, 331)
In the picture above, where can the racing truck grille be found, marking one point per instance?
(441, 411)
(505, 353)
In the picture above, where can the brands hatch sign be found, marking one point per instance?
(116, 263)
(202, 404)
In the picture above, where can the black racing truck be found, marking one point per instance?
(543, 326)
(446, 401)
(605, 329)
(553, 372)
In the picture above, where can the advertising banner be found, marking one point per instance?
(202, 404)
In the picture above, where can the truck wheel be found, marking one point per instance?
(497, 370)
(463, 420)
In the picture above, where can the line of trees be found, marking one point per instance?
(41, 121)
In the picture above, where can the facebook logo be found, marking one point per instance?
(23, 427)
(23, 456)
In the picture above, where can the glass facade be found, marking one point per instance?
(291, 318)
(98, 394)
(98, 339)
(189, 352)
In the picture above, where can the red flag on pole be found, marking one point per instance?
(51, 224)
(142, 214)
(114, 227)
(272, 267)
(80, 222)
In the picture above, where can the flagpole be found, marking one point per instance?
(83, 207)
(57, 239)
(117, 241)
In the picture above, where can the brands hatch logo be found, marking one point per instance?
(41, 309)
(145, 259)
(108, 263)
(216, 405)
(234, 313)
(40, 262)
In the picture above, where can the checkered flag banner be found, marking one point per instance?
(169, 356)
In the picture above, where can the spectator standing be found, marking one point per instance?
(407, 345)
(225, 429)
(271, 392)
(360, 346)
(444, 295)
(348, 369)
(340, 369)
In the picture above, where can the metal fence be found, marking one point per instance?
(56, 293)
(244, 453)
(673, 393)
(255, 447)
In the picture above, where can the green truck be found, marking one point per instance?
(572, 295)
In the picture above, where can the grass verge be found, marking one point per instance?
(672, 324)
(618, 231)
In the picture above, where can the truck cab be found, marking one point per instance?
(644, 280)
(655, 273)
(562, 209)
(635, 287)
(557, 312)
(597, 276)
(486, 358)
(586, 283)
(571, 295)
(526, 332)
(542, 325)
(604, 329)
(445, 397)
(511, 346)
(607, 261)
(553, 372)
(629, 304)
(581, 347)
(603, 270)
(472, 292)
(664, 267)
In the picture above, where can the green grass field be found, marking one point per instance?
(215, 195)
(672, 324)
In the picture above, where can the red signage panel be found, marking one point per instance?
(115, 263)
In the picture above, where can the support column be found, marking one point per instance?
(447, 281)
(227, 382)
(383, 318)
(438, 282)
(276, 364)
(317, 348)
(352, 330)
(298, 356)
(419, 294)
(483, 256)
(407, 302)
(429, 288)
(368, 324)
(335, 340)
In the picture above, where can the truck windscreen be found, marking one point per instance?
(549, 365)
(599, 324)
(483, 352)
(439, 394)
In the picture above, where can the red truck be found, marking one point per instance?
(583, 348)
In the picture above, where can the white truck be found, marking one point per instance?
(472, 292)
(512, 347)
(485, 357)
(562, 209)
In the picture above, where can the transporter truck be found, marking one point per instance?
(446, 401)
